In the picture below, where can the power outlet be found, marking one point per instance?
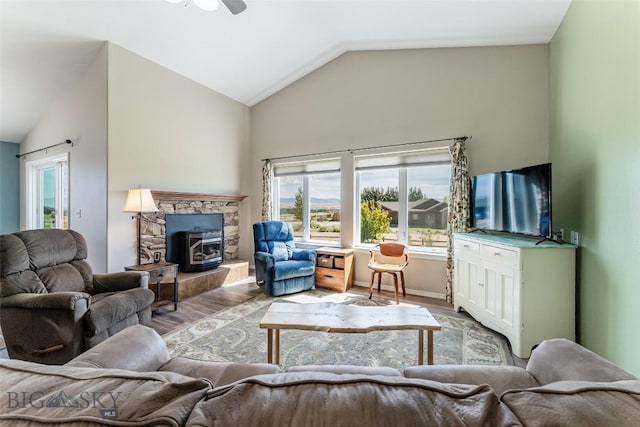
(575, 238)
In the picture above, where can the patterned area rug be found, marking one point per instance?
(234, 335)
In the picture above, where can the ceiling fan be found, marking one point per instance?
(234, 6)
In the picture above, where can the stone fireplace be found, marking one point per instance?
(154, 230)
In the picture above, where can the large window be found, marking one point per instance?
(308, 196)
(403, 197)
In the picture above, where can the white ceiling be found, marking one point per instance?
(46, 44)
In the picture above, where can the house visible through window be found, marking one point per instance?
(403, 198)
(308, 196)
(48, 193)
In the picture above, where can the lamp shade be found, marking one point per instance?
(140, 200)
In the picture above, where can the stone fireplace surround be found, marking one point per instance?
(153, 238)
(153, 232)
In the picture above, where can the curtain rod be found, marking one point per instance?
(353, 150)
(66, 141)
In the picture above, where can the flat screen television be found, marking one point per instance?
(513, 201)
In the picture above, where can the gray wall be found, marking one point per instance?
(9, 188)
(497, 95)
(79, 113)
(134, 122)
(169, 133)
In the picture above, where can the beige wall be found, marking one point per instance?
(167, 133)
(79, 114)
(497, 95)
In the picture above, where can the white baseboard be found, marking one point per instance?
(410, 291)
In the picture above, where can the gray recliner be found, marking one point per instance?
(52, 306)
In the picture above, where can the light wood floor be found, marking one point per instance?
(194, 308)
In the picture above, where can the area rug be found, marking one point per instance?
(234, 335)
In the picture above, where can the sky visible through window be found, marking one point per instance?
(49, 187)
(432, 180)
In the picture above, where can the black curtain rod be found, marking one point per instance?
(66, 141)
(353, 150)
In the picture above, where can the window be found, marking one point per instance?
(48, 193)
(308, 196)
(403, 197)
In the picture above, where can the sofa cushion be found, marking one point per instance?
(48, 247)
(109, 308)
(23, 282)
(219, 373)
(81, 245)
(347, 369)
(274, 237)
(13, 255)
(136, 348)
(577, 403)
(560, 359)
(59, 394)
(62, 278)
(284, 270)
(500, 378)
(280, 250)
(86, 272)
(313, 398)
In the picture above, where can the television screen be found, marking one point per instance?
(515, 201)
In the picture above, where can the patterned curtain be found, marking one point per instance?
(459, 211)
(267, 181)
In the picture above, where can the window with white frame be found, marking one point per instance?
(307, 194)
(403, 197)
(48, 192)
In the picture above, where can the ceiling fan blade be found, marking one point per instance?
(235, 6)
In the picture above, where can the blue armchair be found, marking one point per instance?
(280, 267)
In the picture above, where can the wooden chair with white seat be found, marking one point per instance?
(390, 258)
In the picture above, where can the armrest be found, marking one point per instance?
(562, 360)
(71, 301)
(44, 328)
(304, 255)
(136, 348)
(265, 258)
(121, 281)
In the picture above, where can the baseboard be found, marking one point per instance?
(410, 291)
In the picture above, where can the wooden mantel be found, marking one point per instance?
(203, 197)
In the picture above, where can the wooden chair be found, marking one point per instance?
(391, 258)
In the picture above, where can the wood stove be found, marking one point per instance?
(201, 249)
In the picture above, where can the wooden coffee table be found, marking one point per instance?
(349, 319)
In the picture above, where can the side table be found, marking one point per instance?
(334, 268)
(160, 273)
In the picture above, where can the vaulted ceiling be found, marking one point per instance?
(46, 44)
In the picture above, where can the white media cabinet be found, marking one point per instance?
(513, 286)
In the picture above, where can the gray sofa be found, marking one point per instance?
(131, 378)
